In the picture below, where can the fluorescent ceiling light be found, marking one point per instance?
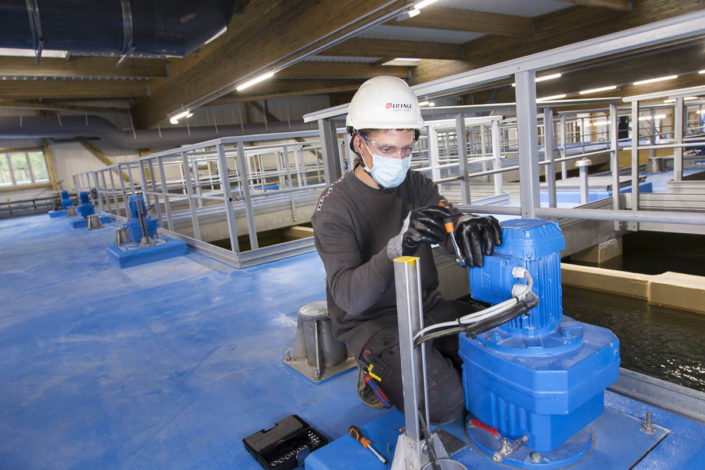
(403, 61)
(47, 53)
(552, 97)
(656, 117)
(183, 114)
(549, 77)
(654, 80)
(217, 35)
(600, 123)
(702, 71)
(598, 90)
(686, 98)
(254, 81)
(424, 4)
(545, 77)
(430, 104)
(414, 12)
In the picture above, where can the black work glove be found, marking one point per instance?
(423, 225)
(477, 235)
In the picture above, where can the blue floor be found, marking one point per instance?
(165, 365)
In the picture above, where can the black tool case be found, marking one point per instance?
(284, 446)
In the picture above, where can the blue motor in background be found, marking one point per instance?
(540, 378)
(85, 208)
(66, 201)
(134, 225)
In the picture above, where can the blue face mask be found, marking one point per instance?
(388, 172)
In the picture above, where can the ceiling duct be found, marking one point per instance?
(142, 28)
(90, 127)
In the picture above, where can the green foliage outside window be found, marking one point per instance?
(23, 168)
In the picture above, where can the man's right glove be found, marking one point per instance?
(477, 235)
(421, 226)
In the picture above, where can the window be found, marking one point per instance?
(23, 168)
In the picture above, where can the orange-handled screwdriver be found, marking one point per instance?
(359, 437)
(450, 230)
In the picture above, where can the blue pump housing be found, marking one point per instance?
(133, 223)
(541, 375)
(85, 208)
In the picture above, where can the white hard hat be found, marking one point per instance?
(384, 103)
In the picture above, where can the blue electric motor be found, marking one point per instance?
(541, 377)
(133, 223)
(66, 201)
(85, 208)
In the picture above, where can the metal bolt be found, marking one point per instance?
(648, 426)
(567, 334)
(316, 374)
(287, 355)
(535, 457)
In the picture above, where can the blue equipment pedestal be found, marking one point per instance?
(57, 213)
(82, 222)
(65, 202)
(156, 248)
(130, 254)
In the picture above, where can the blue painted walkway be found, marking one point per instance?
(166, 365)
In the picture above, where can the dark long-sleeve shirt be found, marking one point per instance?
(352, 224)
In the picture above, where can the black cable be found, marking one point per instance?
(429, 443)
(474, 329)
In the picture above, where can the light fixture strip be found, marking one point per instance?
(598, 90)
(254, 81)
(552, 97)
(544, 78)
(654, 80)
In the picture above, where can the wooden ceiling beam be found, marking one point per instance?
(32, 89)
(60, 107)
(285, 88)
(554, 30)
(385, 48)
(621, 5)
(268, 33)
(82, 67)
(340, 70)
(465, 20)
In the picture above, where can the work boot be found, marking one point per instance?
(365, 393)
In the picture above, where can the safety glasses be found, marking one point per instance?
(389, 150)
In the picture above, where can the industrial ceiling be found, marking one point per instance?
(163, 61)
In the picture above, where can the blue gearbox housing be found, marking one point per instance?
(134, 227)
(85, 208)
(66, 201)
(540, 377)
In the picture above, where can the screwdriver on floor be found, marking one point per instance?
(359, 437)
(450, 230)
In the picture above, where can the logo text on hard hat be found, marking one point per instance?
(400, 106)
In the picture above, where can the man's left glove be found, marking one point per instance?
(476, 236)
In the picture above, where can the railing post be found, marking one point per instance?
(548, 144)
(635, 163)
(227, 198)
(528, 143)
(614, 158)
(246, 196)
(678, 139)
(462, 158)
(165, 194)
(189, 192)
(329, 145)
(496, 153)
